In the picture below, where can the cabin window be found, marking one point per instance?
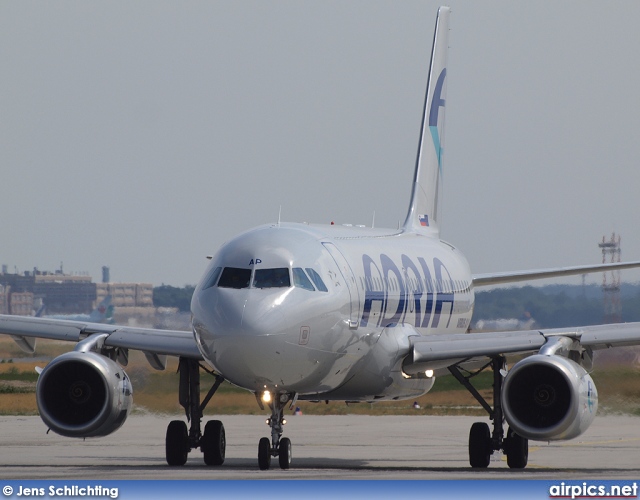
(317, 280)
(235, 277)
(301, 280)
(272, 278)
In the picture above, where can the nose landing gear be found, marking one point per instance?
(277, 446)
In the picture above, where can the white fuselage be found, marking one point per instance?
(326, 312)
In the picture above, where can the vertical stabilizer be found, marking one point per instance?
(423, 210)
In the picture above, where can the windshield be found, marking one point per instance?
(235, 277)
(272, 278)
(317, 280)
(301, 280)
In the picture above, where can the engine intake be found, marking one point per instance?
(549, 398)
(83, 394)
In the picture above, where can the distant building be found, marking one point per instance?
(126, 294)
(129, 299)
(21, 304)
(61, 293)
(4, 299)
(65, 294)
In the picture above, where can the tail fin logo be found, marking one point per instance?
(436, 103)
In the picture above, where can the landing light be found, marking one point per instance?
(266, 396)
(429, 373)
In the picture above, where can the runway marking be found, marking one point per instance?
(609, 441)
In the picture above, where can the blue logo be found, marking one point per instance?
(436, 103)
(418, 295)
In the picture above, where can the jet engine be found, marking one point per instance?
(83, 394)
(548, 398)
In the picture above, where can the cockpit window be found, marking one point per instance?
(235, 277)
(272, 278)
(301, 280)
(317, 280)
(212, 279)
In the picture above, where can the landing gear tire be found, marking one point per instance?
(479, 445)
(213, 443)
(264, 453)
(284, 453)
(177, 443)
(517, 450)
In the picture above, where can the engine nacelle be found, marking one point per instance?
(547, 398)
(84, 394)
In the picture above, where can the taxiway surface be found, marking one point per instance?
(324, 447)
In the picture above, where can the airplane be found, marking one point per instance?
(300, 312)
(103, 313)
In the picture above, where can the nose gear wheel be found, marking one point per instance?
(278, 446)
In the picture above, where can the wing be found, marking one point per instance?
(514, 277)
(154, 343)
(440, 351)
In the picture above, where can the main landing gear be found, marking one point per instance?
(278, 446)
(483, 442)
(179, 442)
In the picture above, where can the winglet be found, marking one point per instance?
(423, 210)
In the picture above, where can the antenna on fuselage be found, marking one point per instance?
(279, 213)
(373, 221)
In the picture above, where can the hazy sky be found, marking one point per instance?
(142, 135)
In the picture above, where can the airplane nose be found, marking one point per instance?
(245, 337)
